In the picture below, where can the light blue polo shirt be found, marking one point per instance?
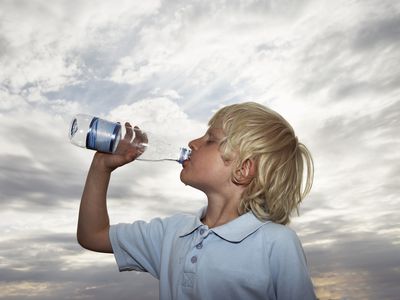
(243, 259)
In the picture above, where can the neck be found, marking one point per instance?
(220, 211)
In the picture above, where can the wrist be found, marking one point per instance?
(99, 163)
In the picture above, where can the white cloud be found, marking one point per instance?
(161, 116)
(43, 40)
(166, 123)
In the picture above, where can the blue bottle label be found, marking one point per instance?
(102, 135)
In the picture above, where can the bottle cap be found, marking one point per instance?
(184, 154)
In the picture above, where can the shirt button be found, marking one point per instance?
(202, 231)
(193, 259)
(199, 246)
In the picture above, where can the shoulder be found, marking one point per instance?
(179, 218)
(279, 235)
(156, 228)
(283, 247)
(178, 221)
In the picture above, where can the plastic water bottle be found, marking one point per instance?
(91, 132)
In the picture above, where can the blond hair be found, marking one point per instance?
(255, 132)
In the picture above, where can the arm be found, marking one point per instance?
(289, 268)
(93, 221)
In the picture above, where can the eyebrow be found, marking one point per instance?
(211, 132)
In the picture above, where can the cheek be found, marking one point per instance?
(215, 170)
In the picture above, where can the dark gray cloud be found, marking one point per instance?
(383, 32)
(360, 261)
(334, 58)
(37, 257)
(350, 136)
(23, 184)
(21, 181)
(103, 95)
(40, 260)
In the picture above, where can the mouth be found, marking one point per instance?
(186, 161)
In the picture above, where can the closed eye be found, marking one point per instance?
(211, 138)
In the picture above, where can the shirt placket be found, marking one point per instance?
(193, 257)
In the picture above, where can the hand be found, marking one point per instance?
(127, 150)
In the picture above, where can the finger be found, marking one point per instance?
(145, 139)
(129, 132)
(140, 140)
(140, 136)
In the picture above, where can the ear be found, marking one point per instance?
(246, 172)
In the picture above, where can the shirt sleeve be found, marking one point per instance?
(289, 270)
(137, 246)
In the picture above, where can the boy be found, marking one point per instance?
(249, 164)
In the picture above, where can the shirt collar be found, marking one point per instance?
(195, 224)
(234, 231)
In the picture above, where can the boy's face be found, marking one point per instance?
(206, 170)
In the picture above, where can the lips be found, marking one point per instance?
(185, 162)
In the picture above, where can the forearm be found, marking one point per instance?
(93, 222)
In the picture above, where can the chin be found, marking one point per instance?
(182, 178)
(187, 181)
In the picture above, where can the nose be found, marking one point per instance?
(193, 144)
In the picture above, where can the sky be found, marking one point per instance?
(329, 67)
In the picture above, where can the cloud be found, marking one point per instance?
(330, 69)
(358, 265)
(378, 32)
(47, 267)
(60, 44)
(154, 183)
(344, 61)
(41, 169)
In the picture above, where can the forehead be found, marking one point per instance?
(216, 121)
(216, 126)
(216, 131)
